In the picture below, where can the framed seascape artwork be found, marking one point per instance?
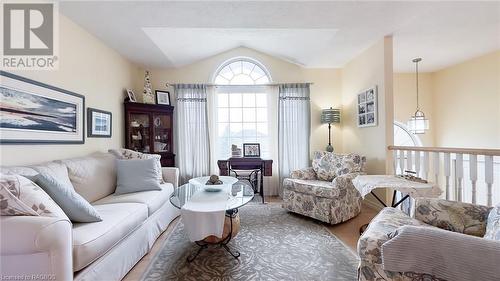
(367, 108)
(251, 150)
(98, 123)
(34, 112)
(162, 97)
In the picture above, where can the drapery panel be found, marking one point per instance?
(294, 129)
(193, 145)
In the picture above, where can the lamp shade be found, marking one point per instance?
(418, 124)
(330, 115)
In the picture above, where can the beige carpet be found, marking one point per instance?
(274, 245)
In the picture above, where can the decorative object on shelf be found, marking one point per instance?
(368, 108)
(99, 123)
(235, 151)
(329, 116)
(34, 112)
(251, 149)
(147, 93)
(131, 96)
(214, 180)
(418, 123)
(162, 97)
(149, 129)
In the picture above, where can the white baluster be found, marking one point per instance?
(402, 161)
(426, 165)
(459, 175)
(409, 160)
(488, 177)
(436, 167)
(447, 174)
(473, 175)
(417, 163)
(395, 161)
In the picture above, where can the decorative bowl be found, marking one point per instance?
(201, 181)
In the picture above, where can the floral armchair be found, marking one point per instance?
(325, 191)
(438, 214)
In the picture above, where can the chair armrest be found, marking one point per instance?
(304, 174)
(451, 215)
(171, 175)
(32, 245)
(441, 253)
(345, 180)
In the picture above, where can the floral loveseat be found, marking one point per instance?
(438, 214)
(325, 191)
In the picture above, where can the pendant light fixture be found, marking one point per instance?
(418, 124)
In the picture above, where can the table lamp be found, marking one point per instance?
(329, 116)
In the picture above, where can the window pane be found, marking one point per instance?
(235, 114)
(248, 100)
(262, 80)
(248, 114)
(261, 114)
(236, 141)
(227, 73)
(236, 67)
(235, 129)
(261, 100)
(235, 100)
(249, 130)
(221, 81)
(223, 148)
(257, 73)
(242, 79)
(262, 130)
(222, 100)
(223, 130)
(247, 67)
(223, 115)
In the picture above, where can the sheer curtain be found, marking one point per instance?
(193, 144)
(294, 129)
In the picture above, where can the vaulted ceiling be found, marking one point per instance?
(316, 34)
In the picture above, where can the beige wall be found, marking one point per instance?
(467, 103)
(462, 103)
(86, 67)
(325, 92)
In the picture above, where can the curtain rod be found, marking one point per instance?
(219, 85)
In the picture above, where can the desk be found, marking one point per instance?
(264, 168)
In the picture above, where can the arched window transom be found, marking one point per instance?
(242, 71)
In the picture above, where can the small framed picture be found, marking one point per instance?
(131, 96)
(251, 150)
(162, 97)
(99, 123)
(367, 107)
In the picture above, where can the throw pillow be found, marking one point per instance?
(493, 224)
(123, 153)
(350, 163)
(136, 175)
(61, 190)
(21, 197)
(324, 164)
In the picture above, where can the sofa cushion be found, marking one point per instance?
(313, 187)
(325, 164)
(493, 224)
(154, 199)
(350, 163)
(19, 170)
(128, 154)
(94, 176)
(93, 240)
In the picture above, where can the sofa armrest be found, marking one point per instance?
(451, 215)
(345, 180)
(442, 253)
(32, 245)
(304, 174)
(171, 175)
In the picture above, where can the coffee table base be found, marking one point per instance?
(231, 228)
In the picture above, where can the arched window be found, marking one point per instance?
(242, 71)
(403, 136)
(241, 106)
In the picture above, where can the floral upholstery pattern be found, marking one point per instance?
(330, 202)
(370, 244)
(304, 174)
(493, 224)
(21, 197)
(123, 153)
(325, 164)
(454, 216)
(350, 163)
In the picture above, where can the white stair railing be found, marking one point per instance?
(464, 174)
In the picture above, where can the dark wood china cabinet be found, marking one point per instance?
(149, 129)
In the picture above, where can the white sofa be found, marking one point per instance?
(56, 249)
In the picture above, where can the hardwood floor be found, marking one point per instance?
(348, 232)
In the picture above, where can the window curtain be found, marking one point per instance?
(193, 146)
(294, 129)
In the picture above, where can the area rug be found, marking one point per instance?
(274, 245)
